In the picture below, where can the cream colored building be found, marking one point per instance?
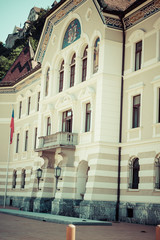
(93, 109)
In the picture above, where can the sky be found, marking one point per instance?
(15, 13)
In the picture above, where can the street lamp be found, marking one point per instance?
(57, 174)
(39, 175)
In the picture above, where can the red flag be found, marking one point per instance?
(12, 127)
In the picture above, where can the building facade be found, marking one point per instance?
(92, 109)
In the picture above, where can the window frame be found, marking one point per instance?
(14, 179)
(84, 64)
(134, 108)
(35, 137)
(96, 55)
(72, 70)
(47, 82)
(20, 109)
(29, 105)
(88, 117)
(134, 178)
(157, 172)
(61, 77)
(38, 100)
(138, 56)
(23, 178)
(48, 129)
(26, 141)
(66, 118)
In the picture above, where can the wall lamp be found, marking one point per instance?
(39, 175)
(57, 174)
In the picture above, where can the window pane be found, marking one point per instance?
(138, 53)
(88, 117)
(67, 121)
(136, 111)
(135, 174)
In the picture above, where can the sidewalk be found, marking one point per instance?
(22, 227)
(54, 218)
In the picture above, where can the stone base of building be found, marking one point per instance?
(28, 204)
(142, 213)
(66, 207)
(98, 210)
(84, 209)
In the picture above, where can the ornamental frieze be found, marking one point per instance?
(136, 17)
(55, 19)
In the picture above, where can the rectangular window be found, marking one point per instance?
(20, 109)
(67, 121)
(138, 55)
(38, 100)
(26, 141)
(136, 111)
(48, 126)
(88, 117)
(29, 105)
(35, 138)
(17, 143)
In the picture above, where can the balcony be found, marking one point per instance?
(59, 139)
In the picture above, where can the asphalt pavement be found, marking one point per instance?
(21, 225)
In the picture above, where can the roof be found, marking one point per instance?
(116, 7)
(119, 6)
(36, 9)
(22, 66)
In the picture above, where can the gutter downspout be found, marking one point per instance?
(120, 125)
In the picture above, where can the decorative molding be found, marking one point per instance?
(64, 101)
(156, 25)
(54, 20)
(28, 93)
(72, 33)
(88, 14)
(134, 18)
(86, 93)
(20, 97)
(136, 36)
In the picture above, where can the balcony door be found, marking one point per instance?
(67, 121)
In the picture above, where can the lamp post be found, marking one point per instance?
(57, 174)
(39, 175)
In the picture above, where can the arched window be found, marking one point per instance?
(84, 64)
(157, 172)
(14, 179)
(96, 56)
(134, 173)
(23, 177)
(61, 76)
(47, 82)
(72, 70)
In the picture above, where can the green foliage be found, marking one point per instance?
(33, 33)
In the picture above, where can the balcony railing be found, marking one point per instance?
(58, 139)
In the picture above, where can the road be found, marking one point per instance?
(18, 228)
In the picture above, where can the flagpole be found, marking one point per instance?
(6, 183)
